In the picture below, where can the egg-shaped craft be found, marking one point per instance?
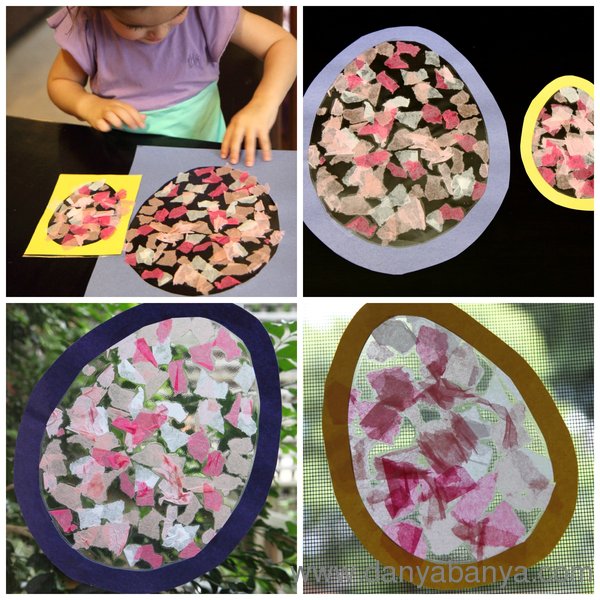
(91, 213)
(407, 157)
(204, 231)
(557, 142)
(147, 450)
(86, 215)
(445, 450)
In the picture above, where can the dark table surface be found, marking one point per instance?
(532, 247)
(37, 153)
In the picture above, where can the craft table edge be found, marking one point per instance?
(47, 150)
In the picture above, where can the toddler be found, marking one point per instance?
(155, 70)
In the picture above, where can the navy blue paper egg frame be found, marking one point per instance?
(49, 392)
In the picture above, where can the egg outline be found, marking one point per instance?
(48, 394)
(185, 289)
(406, 259)
(76, 190)
(66, 184)
(557, 516)
(529, 123)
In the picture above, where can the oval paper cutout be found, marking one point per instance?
(159, 460)
(91, 213)
(407, 456)
(397, 209)
(148, 452)
(204, 231)
(557, 142)
(397, 156)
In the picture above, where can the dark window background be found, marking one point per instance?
(532, 247)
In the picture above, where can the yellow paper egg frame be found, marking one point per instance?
(558, 513)
(529, 123)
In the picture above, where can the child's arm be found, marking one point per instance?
(277, 48)
(66, 82)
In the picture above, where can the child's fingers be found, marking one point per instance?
(225, 143)
(101, 125)
(138, 117)
(112, 118)
(250, 148)
(126, 117)
(235, 143)
(265, 144)
(141, 119)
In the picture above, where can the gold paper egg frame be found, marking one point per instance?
(529, 123)
(558, 513)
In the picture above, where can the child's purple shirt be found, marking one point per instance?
(147, 76)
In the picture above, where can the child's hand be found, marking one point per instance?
(104, 114)
(251, 123)
(66, 82)
(277, 49)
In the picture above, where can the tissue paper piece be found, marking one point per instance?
(447, 457)
(150, 449)
(399, 150)
(205, 231)
(87, 215)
